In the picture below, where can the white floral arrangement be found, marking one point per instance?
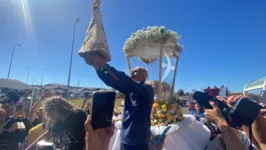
(146, 43)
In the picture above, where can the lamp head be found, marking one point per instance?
(77, 20)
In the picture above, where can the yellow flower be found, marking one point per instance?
(156, 105)
(164, 106)
(174, 120)
(160, 116)
(170, 118)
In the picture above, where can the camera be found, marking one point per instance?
(243, 112)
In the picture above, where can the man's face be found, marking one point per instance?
(137, 75)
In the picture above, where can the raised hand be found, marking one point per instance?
(215, 115)
(98, 138)
(95, 60)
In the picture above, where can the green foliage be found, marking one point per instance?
(176, 101)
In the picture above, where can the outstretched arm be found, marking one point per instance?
(111, 81)
(124, 82)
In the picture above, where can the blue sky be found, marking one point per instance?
(224, 41)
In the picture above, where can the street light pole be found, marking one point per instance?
(71, 55)
(10, 65)
(28, 75)
(42, 77)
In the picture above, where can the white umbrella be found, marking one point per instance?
(13, 84)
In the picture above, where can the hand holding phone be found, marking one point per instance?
(102, 109)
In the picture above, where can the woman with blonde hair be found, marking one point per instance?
(67, 123)
(87, 107)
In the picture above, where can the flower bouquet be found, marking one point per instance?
(164, 113)
(146, 43)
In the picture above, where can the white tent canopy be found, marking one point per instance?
(253, 85)
(13, 84)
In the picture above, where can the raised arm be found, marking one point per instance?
(133, 86)
(110, 81)
(124, 83)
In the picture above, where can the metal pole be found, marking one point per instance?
(28, 75)
(33, 81)
(160, 70)
(173, 82)
(42, 77)
(147, 68)
(71, 55)
(32, 99)
(128, 64)
(11, 61)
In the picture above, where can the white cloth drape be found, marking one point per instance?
(190, 135)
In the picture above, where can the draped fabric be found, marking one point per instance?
(95, 41)
(190, 135)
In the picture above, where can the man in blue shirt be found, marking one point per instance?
(198, 112)
(135, 132)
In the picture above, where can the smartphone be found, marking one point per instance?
(103, 103)
(203, 99)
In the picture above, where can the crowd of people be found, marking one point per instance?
(67, 127)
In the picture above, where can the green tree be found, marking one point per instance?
(180, 92)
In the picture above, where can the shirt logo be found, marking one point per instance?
(133, 100)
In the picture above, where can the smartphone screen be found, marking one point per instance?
(102, 109)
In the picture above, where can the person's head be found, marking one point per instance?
(2, 117)
(39, 113)
(57, 108)
(139, 74)
(197, 107)
(87, 107)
